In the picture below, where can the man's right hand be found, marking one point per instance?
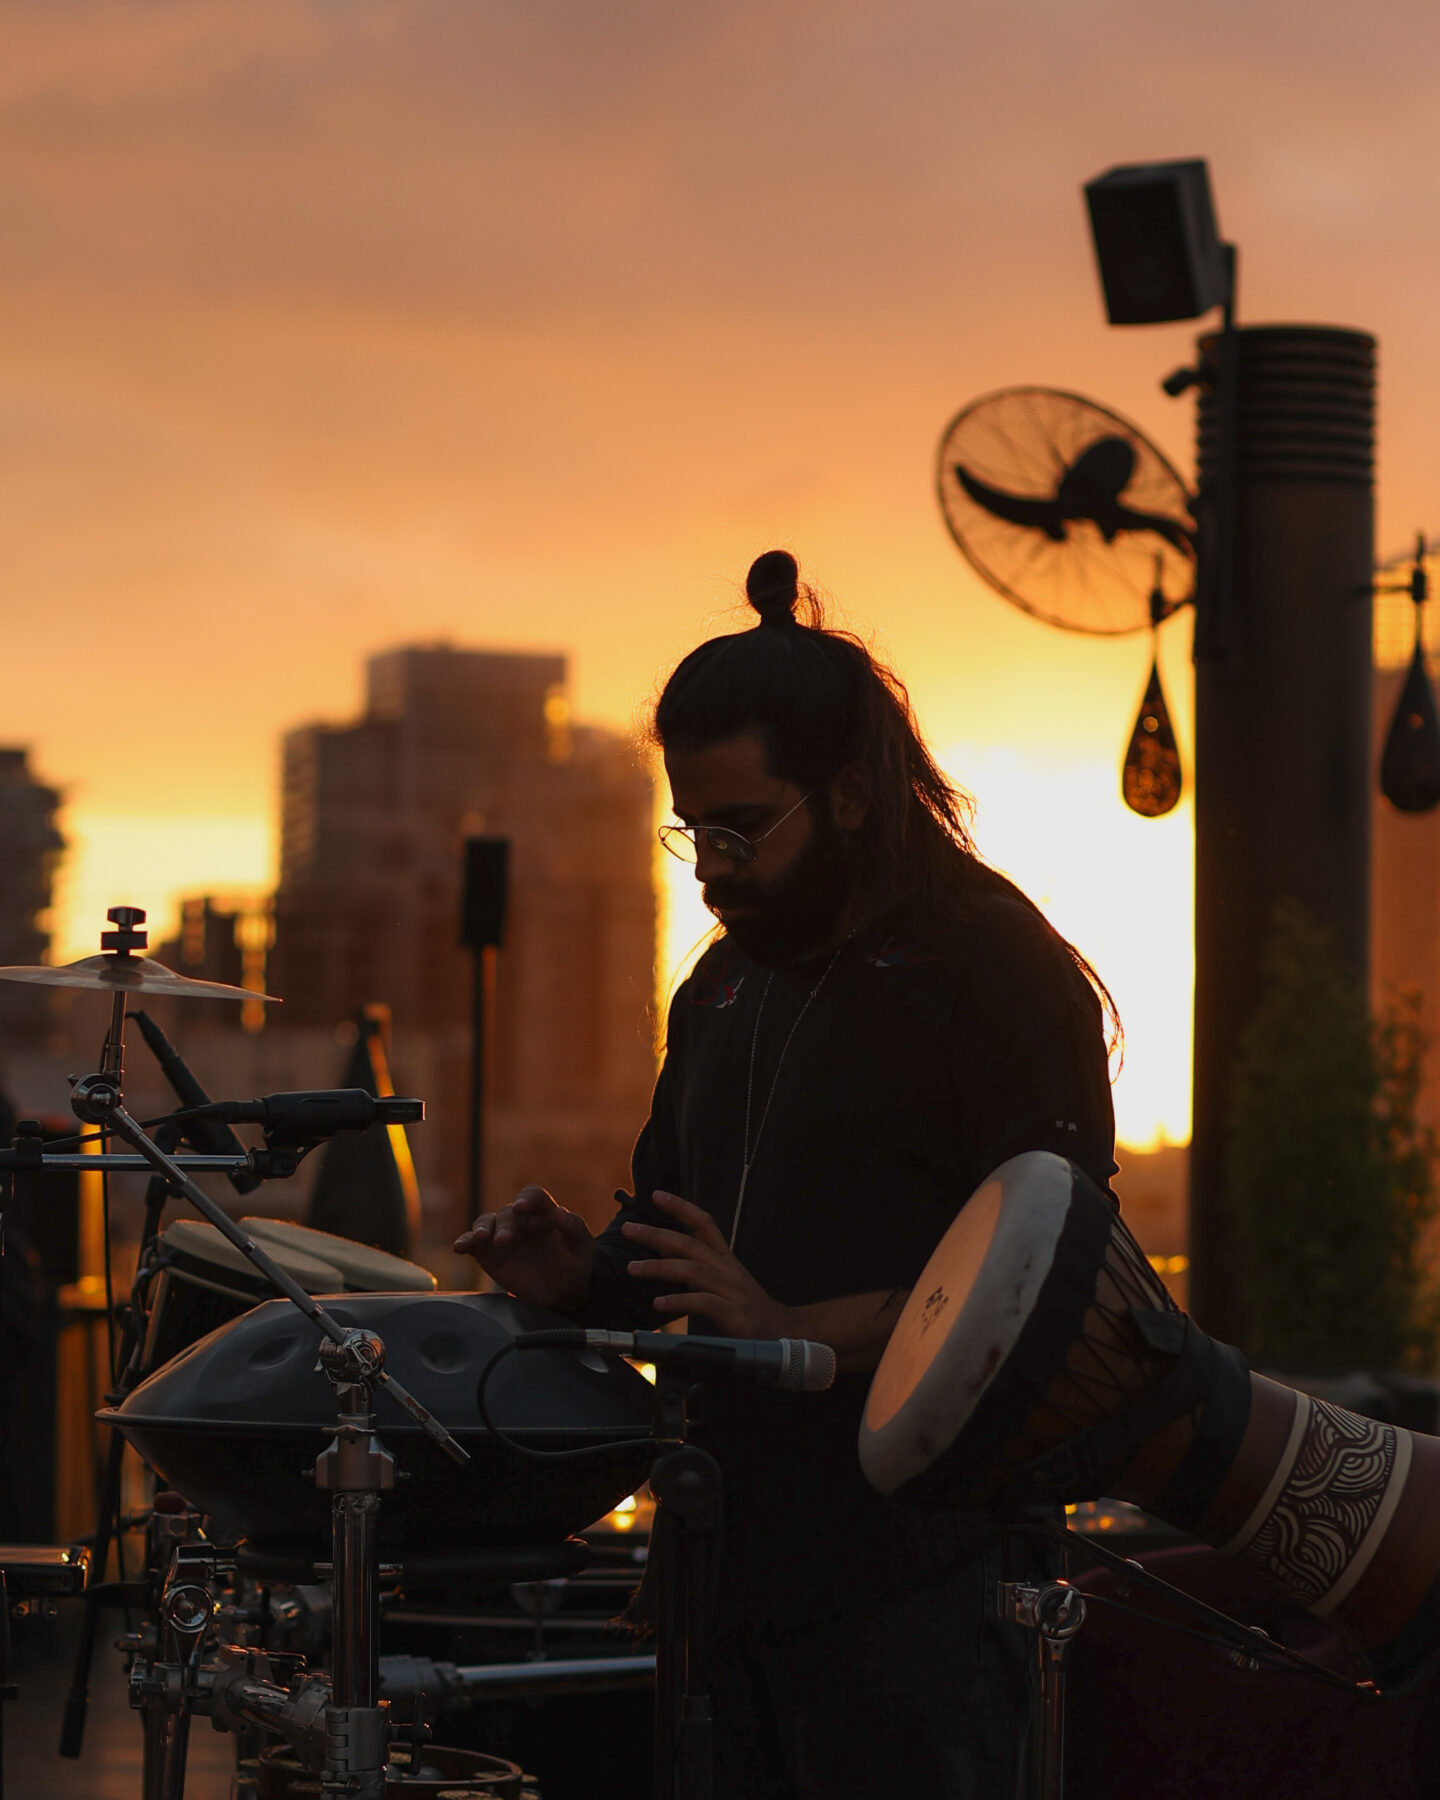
(536, 1249)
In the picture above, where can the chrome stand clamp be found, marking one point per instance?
(1054, 1611)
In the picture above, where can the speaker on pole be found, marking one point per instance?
(486, 892)
(1160, 256)
(484, 902)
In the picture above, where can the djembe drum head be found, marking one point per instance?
(363, 1269)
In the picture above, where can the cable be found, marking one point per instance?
(537, 1340)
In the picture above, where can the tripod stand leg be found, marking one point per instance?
(72, 1728)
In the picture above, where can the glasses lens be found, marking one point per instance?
(731, 844)
(678, 841)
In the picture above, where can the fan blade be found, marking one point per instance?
(1125, 518)
(1015, 509)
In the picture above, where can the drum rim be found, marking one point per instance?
(279, 1231)
(303, 1265)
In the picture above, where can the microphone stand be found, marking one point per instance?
(685, 1541)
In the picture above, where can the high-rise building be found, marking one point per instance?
(30, 847)
(456, 743)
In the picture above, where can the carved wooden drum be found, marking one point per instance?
(1040, 1357)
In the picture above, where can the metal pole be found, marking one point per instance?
(475, 1190)
(1282, 711)
(356, 1469)
(355, 1519)
(1054, 1611)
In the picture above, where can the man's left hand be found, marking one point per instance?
(698, 1259)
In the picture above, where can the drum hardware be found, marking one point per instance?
(1054, 1611)
(97, 1098)
(166, 1690)
(1247, 1646)
(449, 1687)
(355, 1469)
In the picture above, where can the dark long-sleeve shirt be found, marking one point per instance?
(912, 1074)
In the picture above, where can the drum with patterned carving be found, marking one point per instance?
(1039, 1356)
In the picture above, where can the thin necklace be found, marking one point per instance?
(751, 1148)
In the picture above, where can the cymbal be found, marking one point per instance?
(135, 974)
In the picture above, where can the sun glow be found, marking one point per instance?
(1118, 886)
(151, 861)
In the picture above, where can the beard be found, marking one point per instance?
(797, 913)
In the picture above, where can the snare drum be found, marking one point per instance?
(205, 1282)
(1039, 1356)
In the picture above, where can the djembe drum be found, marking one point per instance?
(1040, 1358)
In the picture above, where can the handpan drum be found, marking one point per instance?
(235, 1422)
(1040, 1358)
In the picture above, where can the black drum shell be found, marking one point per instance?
(188, 1312)
(236, 1421)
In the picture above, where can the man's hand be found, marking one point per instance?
(536, 1249)
(698, 1259)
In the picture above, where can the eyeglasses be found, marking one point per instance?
(682, 840)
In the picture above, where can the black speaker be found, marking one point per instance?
(1160, 256)
(486, 891)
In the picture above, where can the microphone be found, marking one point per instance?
(207, 1135)
(794, 1365)
(318, 1112)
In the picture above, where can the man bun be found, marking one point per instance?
(773, 586)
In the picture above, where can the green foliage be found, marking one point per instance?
(1331, 1172)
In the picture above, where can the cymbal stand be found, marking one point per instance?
(687, 1486)
(112, 1067)
(355, 1468)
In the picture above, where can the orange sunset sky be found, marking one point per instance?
(331, 324)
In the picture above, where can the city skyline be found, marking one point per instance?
(1036, 824)
(327, 327)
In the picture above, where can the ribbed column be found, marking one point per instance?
(1282, 717)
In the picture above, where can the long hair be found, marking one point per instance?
(820, 701)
